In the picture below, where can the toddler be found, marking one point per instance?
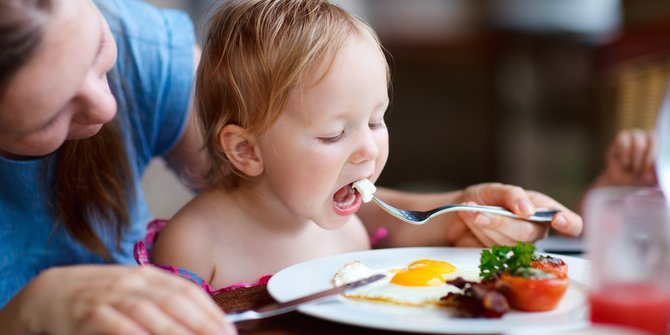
(291, 97)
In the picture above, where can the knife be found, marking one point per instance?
(285, 307)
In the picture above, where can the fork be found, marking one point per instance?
(419, 217)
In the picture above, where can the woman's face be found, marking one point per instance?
(61, 93)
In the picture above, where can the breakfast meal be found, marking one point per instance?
(366, 188)
(508, 277)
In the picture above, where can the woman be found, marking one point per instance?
(54, 97)
(72, 153)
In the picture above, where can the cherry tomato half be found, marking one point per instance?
(533, 294)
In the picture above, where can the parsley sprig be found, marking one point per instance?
(505, 259)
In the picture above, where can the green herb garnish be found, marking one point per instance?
(505, 259)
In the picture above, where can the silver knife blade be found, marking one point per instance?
(285, 307)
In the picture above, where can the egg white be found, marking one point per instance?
(385, 291)
(366, 188)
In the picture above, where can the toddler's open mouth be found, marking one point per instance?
(347, 200)
(345, 197)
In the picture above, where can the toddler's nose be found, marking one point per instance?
(367, 150)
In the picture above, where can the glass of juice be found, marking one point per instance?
(628, 242)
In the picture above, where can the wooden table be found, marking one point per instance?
(293, 323)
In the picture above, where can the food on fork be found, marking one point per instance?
(366, 188)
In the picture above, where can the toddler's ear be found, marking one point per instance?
(240, 148)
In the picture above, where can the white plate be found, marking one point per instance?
(317, 274)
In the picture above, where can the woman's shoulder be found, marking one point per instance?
(144, 22)
(152, 78)
(154, 45)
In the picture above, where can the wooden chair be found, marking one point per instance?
(633, 75)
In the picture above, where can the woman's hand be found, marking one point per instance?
(480, 229)
(113, 300)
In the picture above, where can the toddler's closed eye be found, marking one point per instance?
(332, 139)
(377, 125)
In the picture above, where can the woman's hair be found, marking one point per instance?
(92, 176)
(21, 23)
(255, 53)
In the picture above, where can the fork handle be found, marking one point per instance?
(539, 216)
(542, 216)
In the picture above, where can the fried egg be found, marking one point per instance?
(420, 283)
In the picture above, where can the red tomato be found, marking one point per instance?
(550, 264)
(533, 294)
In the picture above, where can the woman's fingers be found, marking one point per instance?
(184, 303)
(496, 229)
(181, 305)
(191, 296)
(469, 220)
(568, 223)
(121, 299)
(512, 197)
(104, 319)
(502, 230)
(151, 316)
(565, 221)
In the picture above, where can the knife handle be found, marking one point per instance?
(247, 315)
(285, 307)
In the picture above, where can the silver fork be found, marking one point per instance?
(419, 217)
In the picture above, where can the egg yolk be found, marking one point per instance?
(441, 267)
(417, 277)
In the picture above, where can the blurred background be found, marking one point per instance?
(525, 92)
